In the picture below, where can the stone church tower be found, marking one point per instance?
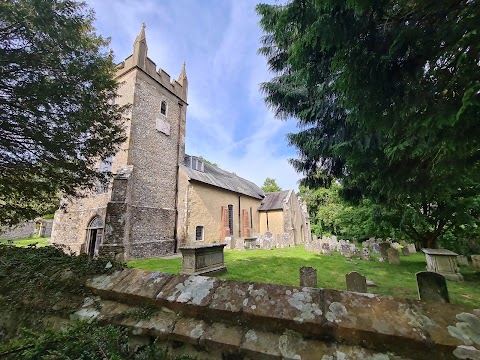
(136, 216)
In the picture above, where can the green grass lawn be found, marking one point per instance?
(281, 266)
(29, 241)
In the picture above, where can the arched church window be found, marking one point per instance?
(94, 236)
(163, 108)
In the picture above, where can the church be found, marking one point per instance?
(160, 198)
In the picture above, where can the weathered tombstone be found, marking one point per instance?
(462, 260)
(345, 251)
(356, 282)
(365, 254)
(383, 247)
(375, 248)
(405, 251)
(412, 249)
(443, 262)
(308, 276)
(357, 252)
(197, 260)
(393, 256)
(432, 287)
(476, 261)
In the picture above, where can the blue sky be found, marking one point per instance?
(227, 120)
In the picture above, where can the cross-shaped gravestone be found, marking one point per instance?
(432, 287)
(356, 282)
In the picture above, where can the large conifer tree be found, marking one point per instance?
(57, 116)
(387, 98)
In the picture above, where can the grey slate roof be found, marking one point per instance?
(215, 176)
(274, 200)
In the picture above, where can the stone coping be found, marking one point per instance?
(201, 247)
(439, 252)
(405, 327)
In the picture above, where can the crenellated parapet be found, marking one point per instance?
(139, 59)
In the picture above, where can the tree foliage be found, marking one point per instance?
(387, 99)
(331, 215)
(57, 113)
(270, 185)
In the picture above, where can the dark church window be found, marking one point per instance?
(230, 218)
(94, 236)
(199, 233)
(163, 108)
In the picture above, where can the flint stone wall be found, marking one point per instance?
(220, 319)
(20, 231)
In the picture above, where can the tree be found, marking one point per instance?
(57, 113)
(207, 161)
(387, 97)
(270, 185)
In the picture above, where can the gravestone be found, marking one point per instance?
(432, 287)
(405, 251)
(375, 248)
(476, 261)
(393, 256)
(365, 254)
(383, 247)
(357, 252)
(462, 260)
(308, 276)
(356, 282)
(412, 249)
(345, 251)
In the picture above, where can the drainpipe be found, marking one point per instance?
(180, 105)
(240, 225)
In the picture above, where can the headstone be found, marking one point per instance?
(345, 251)
(308, 276)
(357, 252)
(476, 261)
(356, 282)
(462, 260)
(396, 246)
(384, 246)
(412, 249)
(365, 254)
(375, 248)
(393, 256)
(432, 287)
(405, 251)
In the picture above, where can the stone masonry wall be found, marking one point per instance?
(153, 154)
(219, 319)
(204, 208)
(20, 231)
(275, 222)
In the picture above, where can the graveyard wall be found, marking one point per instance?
(218, 319)
(20, 231)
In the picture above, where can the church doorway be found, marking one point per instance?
(94, 235)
